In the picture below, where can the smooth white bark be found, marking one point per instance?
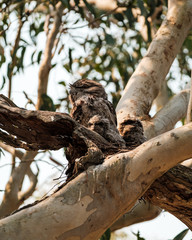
(142, 211)
(168, 116)
(146, 81)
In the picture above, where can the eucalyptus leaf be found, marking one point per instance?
(181, 235)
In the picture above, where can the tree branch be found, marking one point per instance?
(99, 196)
(13, 56)
(45, 66)
(146, 81)
(11, 150)
(13, 196)
(190, 103)
(33, 178)
(168, 116)
(142, 211)
(34, 130)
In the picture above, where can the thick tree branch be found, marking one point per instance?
(34, 130)
(146, 81)
(163, 121)
(145, 84)
(99, 196)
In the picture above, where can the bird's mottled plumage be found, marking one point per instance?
(85, 86)
(91, 109)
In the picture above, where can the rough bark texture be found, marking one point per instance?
(90, 203)
(98, 196)
(34, 130)
(173, 192)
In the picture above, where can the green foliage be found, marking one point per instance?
(181, 235)
(47, 103)
(90, 7)
(106, 235)
(138, 236)
(66, 3)
(102, 45)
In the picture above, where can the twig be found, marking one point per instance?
(29, 100)
(94, 20)
(55, 161)
(13, 161)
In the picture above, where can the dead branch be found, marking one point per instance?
(99, 195)
(34, 130)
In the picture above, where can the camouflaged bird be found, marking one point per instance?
(91, 108)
